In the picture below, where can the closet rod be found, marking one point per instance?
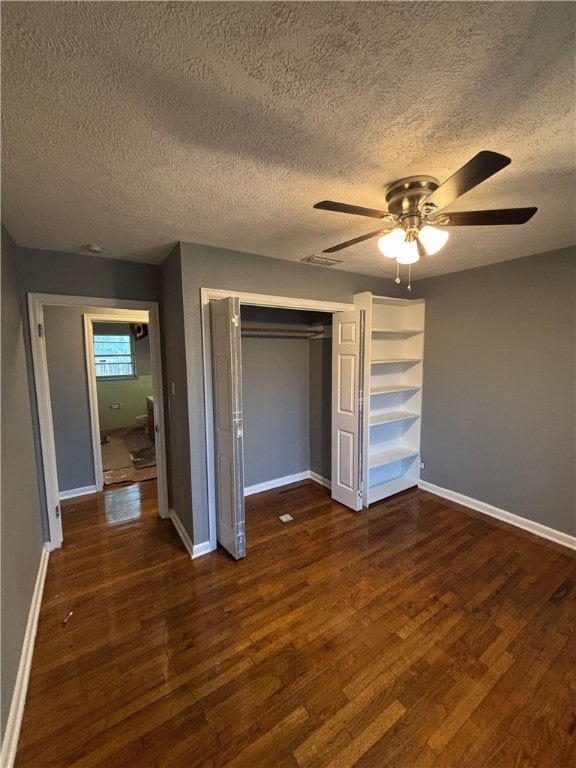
(247, 330)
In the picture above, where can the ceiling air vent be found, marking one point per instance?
(321, 261)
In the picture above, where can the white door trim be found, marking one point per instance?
(255, 299)
(89, 319)
(48, 450)
(112, 308)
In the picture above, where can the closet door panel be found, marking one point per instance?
(347, 407)
(228, 439)
(345, 458)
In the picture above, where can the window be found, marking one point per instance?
(114, 356)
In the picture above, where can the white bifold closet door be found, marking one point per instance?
(228, 437)
(347, 405)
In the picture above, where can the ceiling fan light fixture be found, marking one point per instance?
(415, 212)
(433, 239)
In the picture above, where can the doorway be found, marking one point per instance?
(105, 310)
(118, 365)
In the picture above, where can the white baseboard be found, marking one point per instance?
(182, 532)
(320, 480)
(202, 549)
(286, 480)
(276, 483)
(194, 550)
(559, 537)
(84, 491)
(12, 732)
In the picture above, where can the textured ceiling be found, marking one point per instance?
(134, 125)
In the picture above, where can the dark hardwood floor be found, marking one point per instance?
(410, 635)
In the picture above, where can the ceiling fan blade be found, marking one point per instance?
(479, 218)
(354, 241)
(481, 167)
(420, 247)
(330, 205)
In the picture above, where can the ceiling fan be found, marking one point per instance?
(408, 228)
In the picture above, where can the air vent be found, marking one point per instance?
(321, 261)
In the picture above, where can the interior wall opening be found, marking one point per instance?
(65, 382)
(125, 402)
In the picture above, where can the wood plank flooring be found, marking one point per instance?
(414, 635)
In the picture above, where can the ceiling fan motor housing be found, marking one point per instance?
(405, 198)
(408, 194)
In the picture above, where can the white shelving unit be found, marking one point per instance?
(394, 348)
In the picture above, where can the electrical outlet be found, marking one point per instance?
(422, 465)
(115, 406)
(286, 518)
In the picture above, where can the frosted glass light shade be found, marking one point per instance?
(433, 239)
(408, 253)
(394, 246)
(389, 244)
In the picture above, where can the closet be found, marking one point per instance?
(286, 395)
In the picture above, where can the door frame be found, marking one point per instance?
(89, 320)
(92, 305)
(257, 300)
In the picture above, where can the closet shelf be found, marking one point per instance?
(401, 360)
(396, 485)
(380, 458)
(390, 416)
(391, 302)
(300, 333)
(395, 332)
(388, 390)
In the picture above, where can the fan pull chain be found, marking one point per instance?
(397, 273)
(409, 277)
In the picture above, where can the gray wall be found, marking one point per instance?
(275, 401)
(64, 333)
(174, 354)
(275, 396)
(499, 386)
(320, 385)
(203, 266)
(22, 537)
(77, 275)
